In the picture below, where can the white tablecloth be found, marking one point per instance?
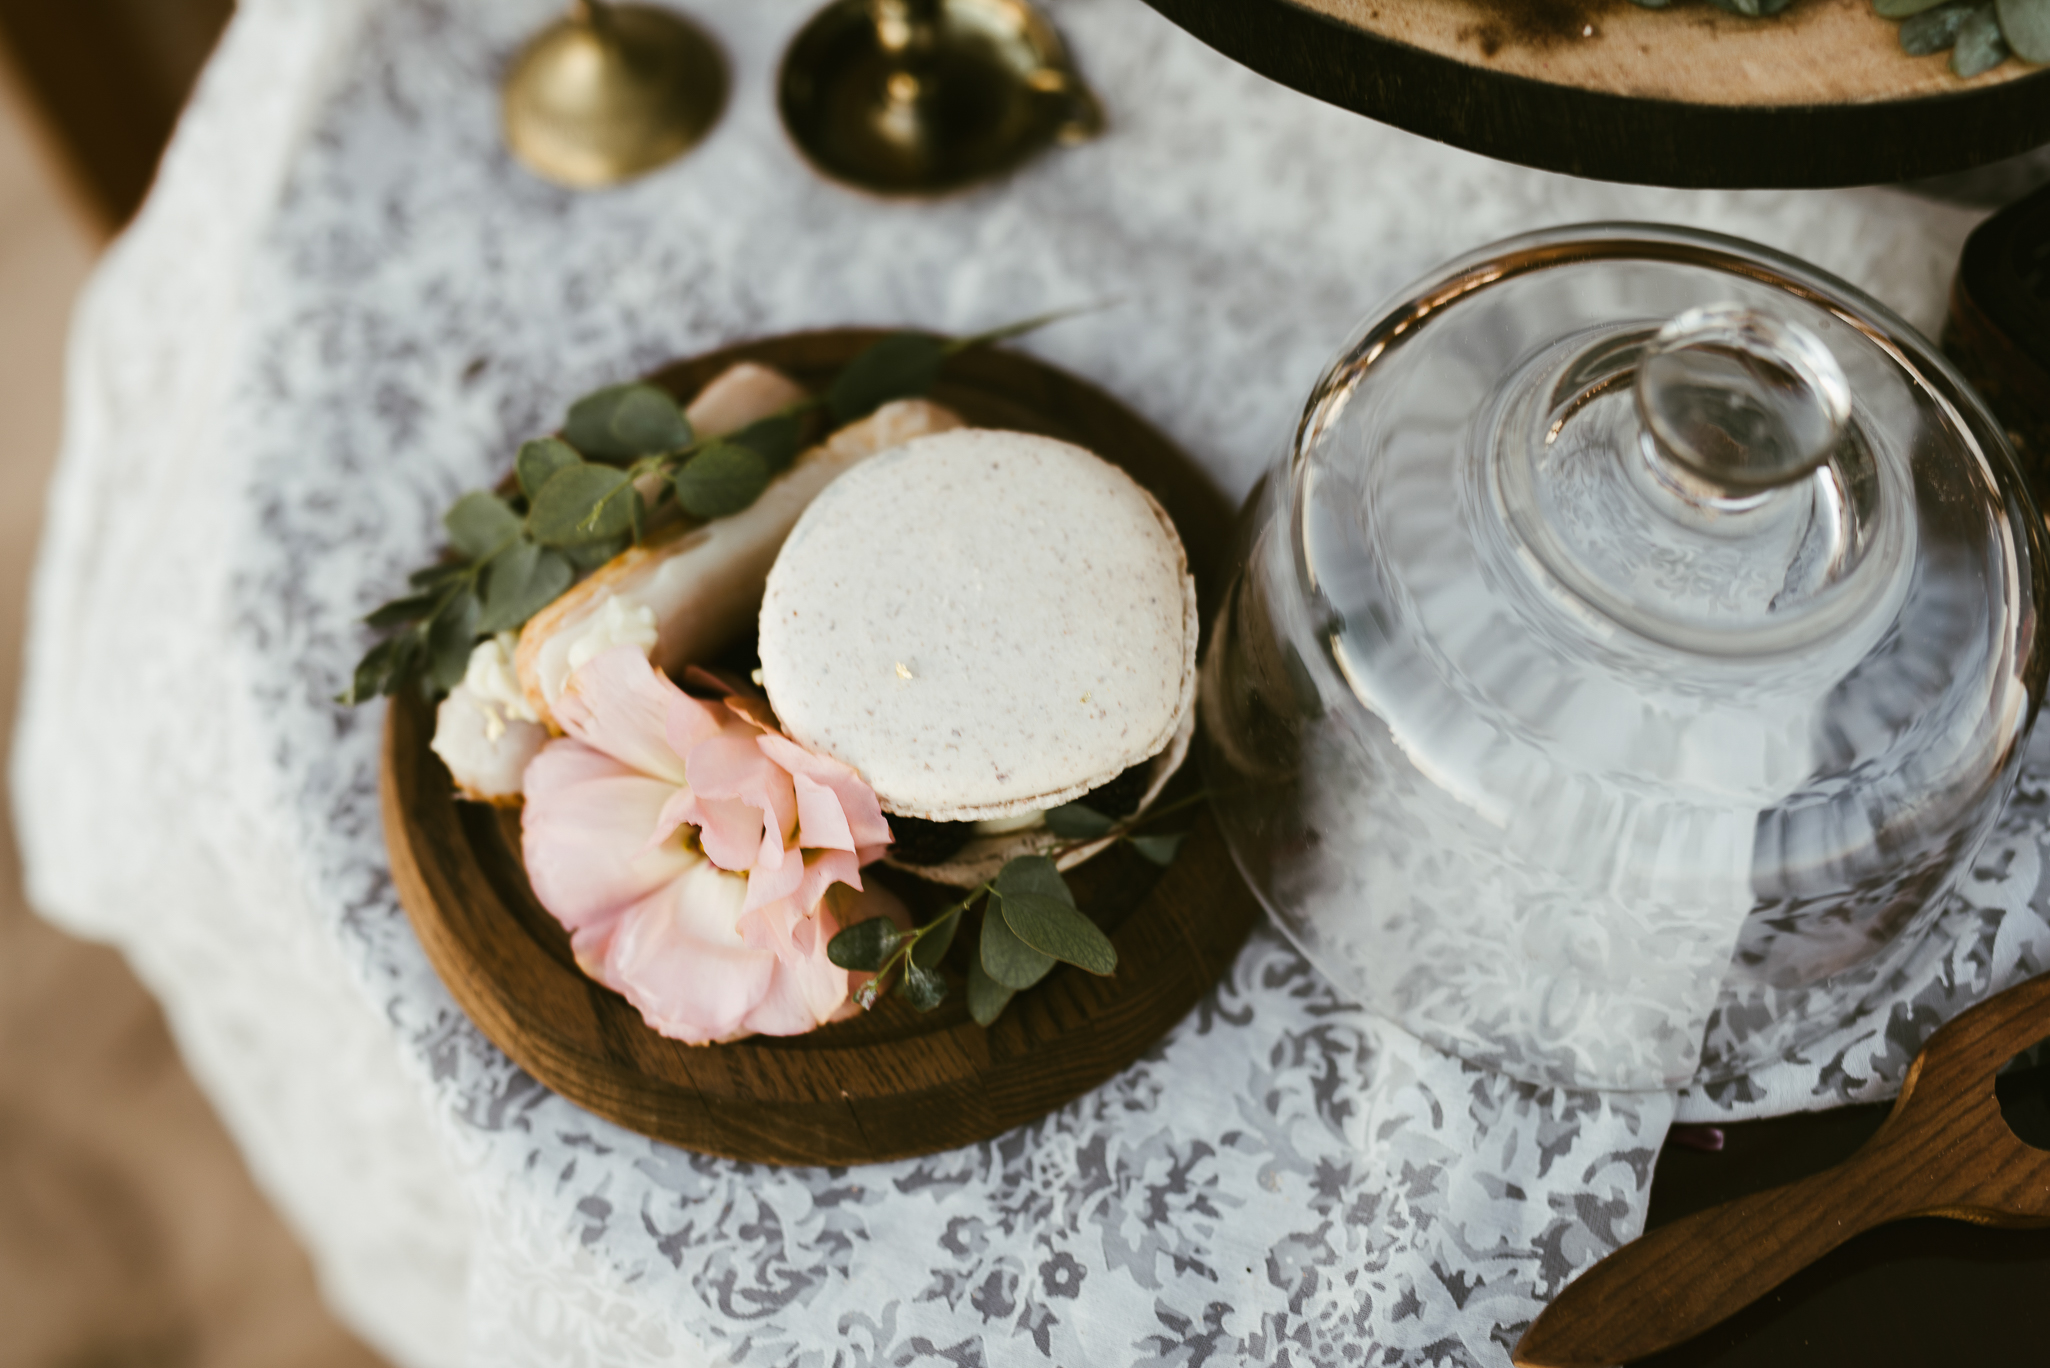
(344, 304)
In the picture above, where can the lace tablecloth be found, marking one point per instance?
(344, 304)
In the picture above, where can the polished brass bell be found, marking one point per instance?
(611, 92)
(912, 97)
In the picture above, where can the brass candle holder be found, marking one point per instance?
(611, 92)
(911, 97)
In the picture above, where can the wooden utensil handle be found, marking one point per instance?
(1684, 1277)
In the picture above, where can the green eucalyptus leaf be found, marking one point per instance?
(1077, 821)
(866, 946)
(624, 421)
(773, 438)
(563, 511)
(1979, 46)
(372, 674)
(1934, 30)
(2026, 26)
(1018, 329)
(437, 573)
(922, 988)
(479, 523)
(1055, 928)
(1008, 960)
(412, 608)
(935, 940)
(409, 649)
(986, 997)
(539, 460)
(591, 555)
(900, 366)
(449, 639)
(521, 581)
(1160, 849)
(1034, 874)
(721, 479)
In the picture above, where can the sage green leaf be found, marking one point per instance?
(866, 946)
(449, 639)
(1017, 329)
(721, 479)
(1902, 9)
(541, 459)
(1055, 928)
(408, 648)
(1160, 849)
(935, 940)
(372, 674)
(773, 438)
(625, 421)
(437, 573)
(922, 988)
(2026, 26)
(563, 512)
(900, 366)
(1979, 45)
(412, 608)
(986, 997)
(479, 523)
(1033, 874)
(1077, 821)
(591, 555)
(1009, 960)
(520, 582)
(1934, 30)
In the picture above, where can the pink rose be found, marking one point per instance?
(699, 858)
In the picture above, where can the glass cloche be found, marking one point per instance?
(1635, 642)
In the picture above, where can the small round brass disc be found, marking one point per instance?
(910, 97)
(612, 92)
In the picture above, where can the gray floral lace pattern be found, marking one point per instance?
(346, 304)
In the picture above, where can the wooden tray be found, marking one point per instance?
(1924, 1291)
(1820, 94)
(892, 1083)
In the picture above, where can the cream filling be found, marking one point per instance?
(1004, 826)
(495, 687)
(621, 622)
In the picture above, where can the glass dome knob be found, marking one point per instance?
(1741, 400)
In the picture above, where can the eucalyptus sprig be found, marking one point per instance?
(1029, 923)
(582, 496)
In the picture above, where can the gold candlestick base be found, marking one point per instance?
(612, 92)
(909, 97)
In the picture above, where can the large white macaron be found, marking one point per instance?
(982, 624)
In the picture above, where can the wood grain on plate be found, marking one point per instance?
(891, 1083)
(1820, 94)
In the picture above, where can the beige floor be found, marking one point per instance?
(130, 1234)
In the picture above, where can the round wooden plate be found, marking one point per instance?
(890, 1083)
(1820, 94)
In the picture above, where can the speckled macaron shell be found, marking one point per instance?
(981, 623)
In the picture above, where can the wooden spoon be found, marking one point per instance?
(1945, 1150)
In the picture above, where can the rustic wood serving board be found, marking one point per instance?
(891, 1083)
(1689, 95)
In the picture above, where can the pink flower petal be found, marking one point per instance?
(730, 765)
(584, 834)
(821, 821)
(618, 703)
(857, 799)
(731, 831)
(690, 721)
(776, 874)
(677, 958)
